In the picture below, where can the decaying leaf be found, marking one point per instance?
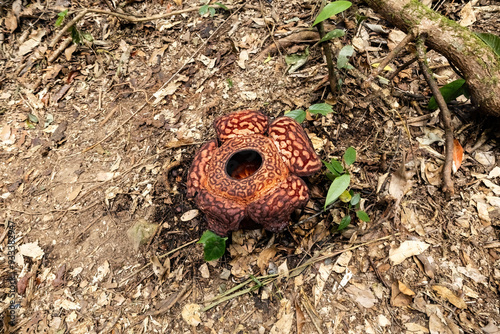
(398, 298)
(364, 297)
(191, 313)
(264, 257)
(140, 233)
(458, 155)
(321, 278)
(447, 294)
(285, 318)
(32, 250)
(406, 249)
(188, 215)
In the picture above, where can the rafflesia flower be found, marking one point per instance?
(251, 172)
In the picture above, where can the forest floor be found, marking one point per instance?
(99, 138)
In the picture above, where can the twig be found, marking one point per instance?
(306, 35)
(67, 27)
(390, 57)
(118, 127)
(130, 18)
(265, 280)
(392, 75)
(59, 50)
(445, 116)
(332, 74)
(159, 257)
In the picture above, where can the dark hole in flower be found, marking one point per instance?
(243, 164)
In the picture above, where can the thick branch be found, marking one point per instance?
(477, 61)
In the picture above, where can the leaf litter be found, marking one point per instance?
(118, 185)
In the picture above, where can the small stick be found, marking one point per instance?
(390, 57)
(67, 27)
(402, 67)
(445, 116)
(332, 75)
(59, 50)
(130, 18)
(112, 132)
(306, 35)
(159, 257)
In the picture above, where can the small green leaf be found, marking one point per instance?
(87, 36)
(337, 188)
(203, 10)
(344, 223)
(350, 156)
(32, 118)
(343, 59)
(345, 197)
(493, 41)
(331, 9)
(450, 92)
(355, 199)
(335, 167)
(321, 108)
(221, 6)
(60, 18)
(214, 249)
(214, 246)
(229, 82)
(211, 10)
(362, 216)
(332, 34)
(299, 115)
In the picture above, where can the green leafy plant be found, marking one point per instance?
(450, 92)
(341, 180)
(331, 9)
(320, 108)
(60, 18)
(209, 9)
(77, 36)
(493, 41)
(214, 246)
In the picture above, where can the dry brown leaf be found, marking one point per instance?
(467, 16)
(75, 192)
(429, 264)
(398, 298)
(10, 22)
(285, 316)
(178, 2)
(69, 51)
(447, 294)
(191, 313)
(364, 297)
(264, 257)
(404, 289)
(301, 319)
(407, 249)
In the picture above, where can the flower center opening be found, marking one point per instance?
(243, 164)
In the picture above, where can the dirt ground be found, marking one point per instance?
(100, 137)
